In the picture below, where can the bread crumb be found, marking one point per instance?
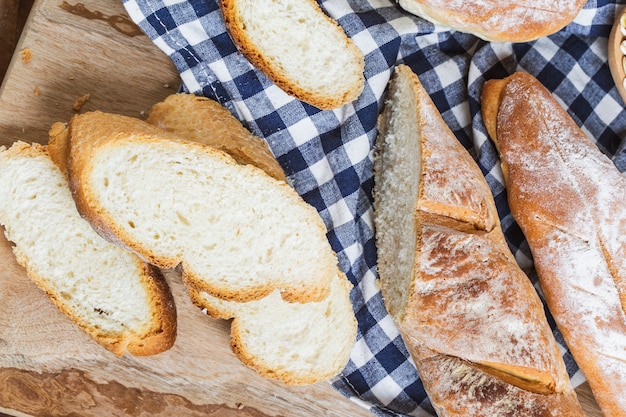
(26, 55)
(78, 104)
(36, 91)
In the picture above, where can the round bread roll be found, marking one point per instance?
(496, 20)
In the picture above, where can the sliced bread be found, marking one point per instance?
(238, 233)
(295, 343)
(298, 47)
(121, 302)
(203, 120)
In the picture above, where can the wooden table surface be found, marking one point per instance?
(47, 366)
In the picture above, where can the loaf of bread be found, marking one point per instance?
(297, 46)
(123, 303)
(206, 121)
(499, 21)
(569, 200)
(296, 343)
(238, 233)
(470, 317)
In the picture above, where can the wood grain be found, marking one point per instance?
(47, 366)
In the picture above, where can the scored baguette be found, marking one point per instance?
(568, 199)
(123, 303)
(297, 46)
(238, 233)
(495, 20)
(296, 343)
(203, 120)
(470, 317)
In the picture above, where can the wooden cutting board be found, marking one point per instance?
(92, 51)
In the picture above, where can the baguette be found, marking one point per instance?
(238, 233)
(470, 317)
(205, 121)
(568, 199)
(498, 21)
(295, 343)
(123, 303)
(297, 46)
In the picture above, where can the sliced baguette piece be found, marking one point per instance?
(295, 343)
(297, 46)
(206, 121)
(569, 200)
(238, 233)
(471, 318)
(123, 303)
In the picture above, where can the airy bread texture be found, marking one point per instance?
(299, 48)
(122, 303)
(295, 343)
(470, 317)
(205, 121)
(238, 233)
(499, 21)
(568, 199)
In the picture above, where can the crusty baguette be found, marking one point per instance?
(471, 318)
(299, 48)
(206, 121)
(496, 20)
(121, 302)
(295, 343)
(568, 199)
(238, 233)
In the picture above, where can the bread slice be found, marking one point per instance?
(295, 343)
(496, 20)
(454, 289)
(121, 302)
(206, 121)
(298, 47)
(238, 233)
(568, 199)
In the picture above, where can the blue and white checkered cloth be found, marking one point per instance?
(327, 155)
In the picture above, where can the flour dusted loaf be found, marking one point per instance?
(203, 120)
(123, 303)
(238, 233)
(569, 200)
(299, 48)
(296, 343)
(495, 20)
(470, 317)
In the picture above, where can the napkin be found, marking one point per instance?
(327, 155)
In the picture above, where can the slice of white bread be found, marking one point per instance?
(470, 317)
(300, 48)
(121, 302)
(295, 343)
(238, 233)
(203, 120)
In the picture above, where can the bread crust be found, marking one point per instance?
(345, 89)
(206, 121)
(469, 308)
(568, 199)
(498, 21)
(162, 332)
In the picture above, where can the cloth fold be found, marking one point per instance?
(327, 155)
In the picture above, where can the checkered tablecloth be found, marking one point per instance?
(327, 155)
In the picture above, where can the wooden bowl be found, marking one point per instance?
(617, 58)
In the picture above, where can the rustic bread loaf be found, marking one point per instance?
(238, 233)
(569, 200)
(206, 121)
(299, 48)
(296, 343)
(121, 302)
(499, 21)
(470, 317)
